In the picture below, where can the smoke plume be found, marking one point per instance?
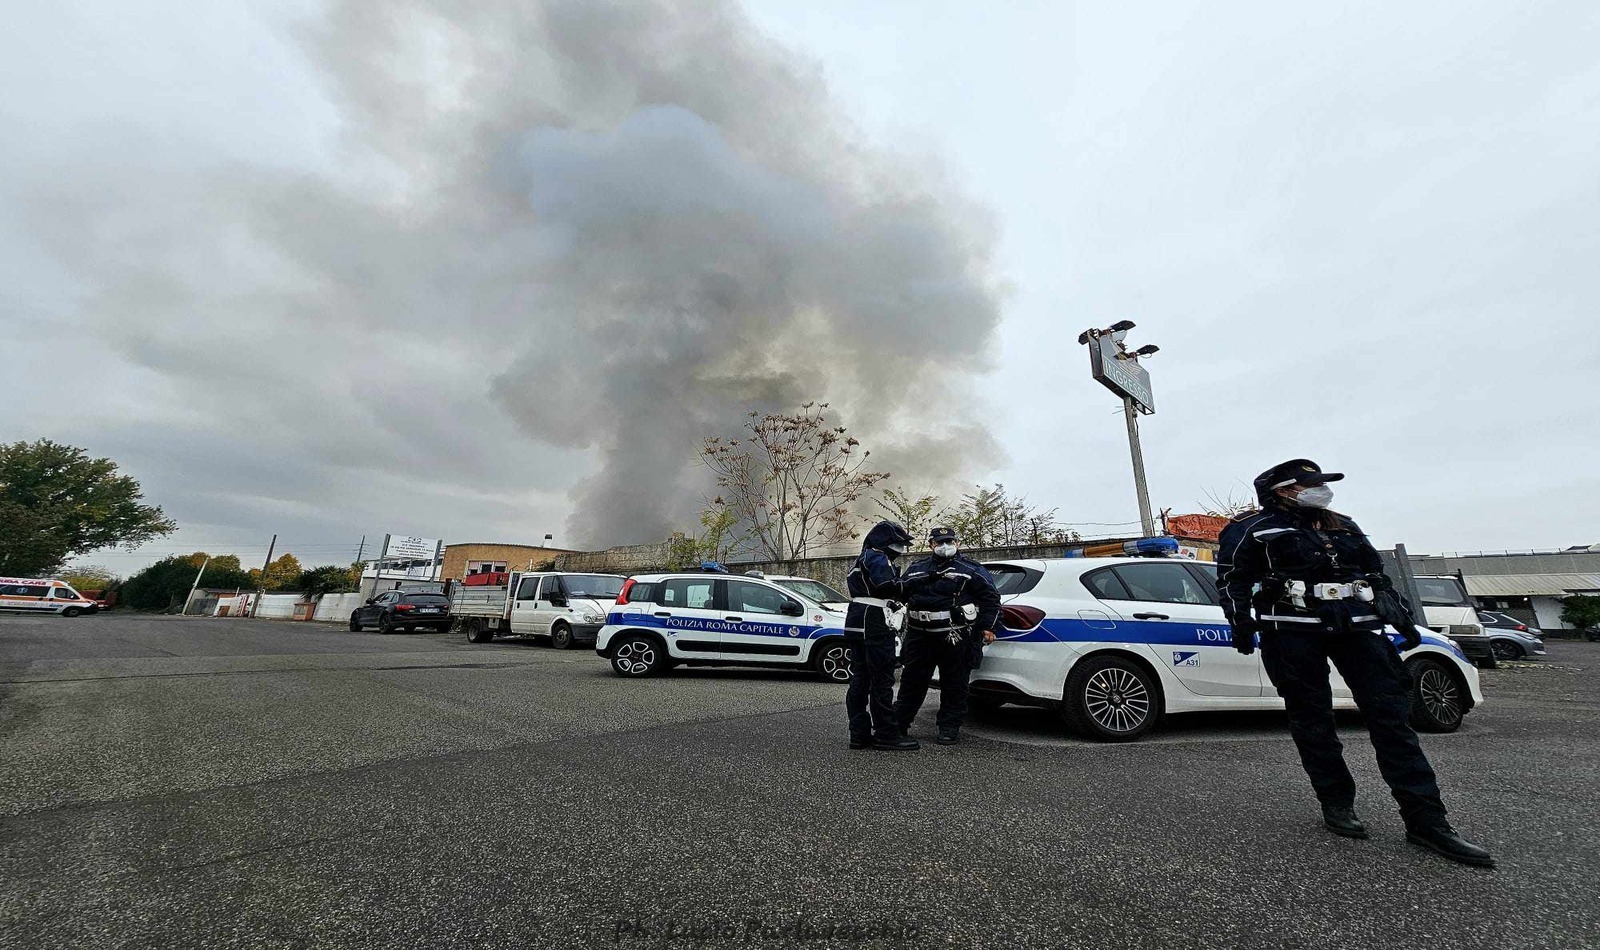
(602, 231)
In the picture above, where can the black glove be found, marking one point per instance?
(1244, 633)
(1409, 638)
(949, 584)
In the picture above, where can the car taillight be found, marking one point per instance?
(627, 585)
(1523, 627)
(1021, 618)
(405, 606)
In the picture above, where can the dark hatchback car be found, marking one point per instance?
(402, 610)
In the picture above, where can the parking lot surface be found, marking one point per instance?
(169, 782)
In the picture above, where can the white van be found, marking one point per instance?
(41, 595)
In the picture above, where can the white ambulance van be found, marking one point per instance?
(36, 595)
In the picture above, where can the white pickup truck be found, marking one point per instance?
(568, 608)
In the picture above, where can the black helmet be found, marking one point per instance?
(1292, 472)
(888, 536)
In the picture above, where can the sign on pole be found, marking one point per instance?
(1114, 369)
(405, 548)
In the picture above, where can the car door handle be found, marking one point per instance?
(1151, 616)
(734, 619)
(663, 613)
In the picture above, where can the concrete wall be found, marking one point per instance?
(278, 606)
(337, 607)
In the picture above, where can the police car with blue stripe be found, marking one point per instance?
(1119, 642)
(713, 619)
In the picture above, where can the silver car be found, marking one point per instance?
(1510, 638)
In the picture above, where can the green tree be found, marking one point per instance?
(918, 515)
(718, 539)
(791, 480)
(328, 579)
(165, 584)
(283, 574)
(57, 503)
(1581, 611)
(992, 518)
(90, 577)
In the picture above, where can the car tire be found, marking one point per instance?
(1507, 650)
(1438, 697)
(479, 631)
(385, 625)
(832, 660)
(634, 655)
(1111, 699)
(71, 611)
(561, 636)
(355, 622)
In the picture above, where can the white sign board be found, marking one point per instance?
(402, 547)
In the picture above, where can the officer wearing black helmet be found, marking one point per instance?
(872, 621)
(1306, 579)
(953, 612)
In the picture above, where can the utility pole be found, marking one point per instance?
(1147, 523)
(262, 588)
(196, 585)
(361, 548)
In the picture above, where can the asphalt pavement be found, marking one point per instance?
(170, 782)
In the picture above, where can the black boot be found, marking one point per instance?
(949, 735)
(857, 742)
(1342, 820)
(896, 744)
(1442, 839)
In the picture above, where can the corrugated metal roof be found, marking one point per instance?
(1530, 585)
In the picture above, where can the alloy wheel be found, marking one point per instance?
(1116, 699)
(1440, 695)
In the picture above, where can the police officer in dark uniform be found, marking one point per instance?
(952, 615)
(873, 619)
(1311, 578)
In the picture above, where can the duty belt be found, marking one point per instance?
(1298, 591)
(894, 615)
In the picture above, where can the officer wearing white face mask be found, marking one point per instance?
(1306, 579)
(951, 616)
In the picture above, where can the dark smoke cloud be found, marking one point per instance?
(598, 231)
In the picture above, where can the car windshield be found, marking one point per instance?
(815, 590)
(1442, 592)
(597, 586)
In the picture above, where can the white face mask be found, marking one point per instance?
(1317, 496)
(945, 550)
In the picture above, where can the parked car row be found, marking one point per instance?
(1113, 644)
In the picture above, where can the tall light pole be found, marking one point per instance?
(1117, 368)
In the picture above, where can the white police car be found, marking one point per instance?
(1117, 643)
(711, 619)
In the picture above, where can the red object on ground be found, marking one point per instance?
(487, 579)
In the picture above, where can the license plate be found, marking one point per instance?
(428, 610)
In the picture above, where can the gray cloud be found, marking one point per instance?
(555, 245)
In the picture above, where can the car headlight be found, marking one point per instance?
(592, 617)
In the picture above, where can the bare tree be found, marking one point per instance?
(792, 480)
(1230, 505)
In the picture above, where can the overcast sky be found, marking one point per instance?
(334, 269)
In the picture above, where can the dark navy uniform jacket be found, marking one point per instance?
(1280, 544)
(873, 576)
(943, 584)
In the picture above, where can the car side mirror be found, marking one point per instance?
(791, 609)
(372, 600)
(558, 600)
